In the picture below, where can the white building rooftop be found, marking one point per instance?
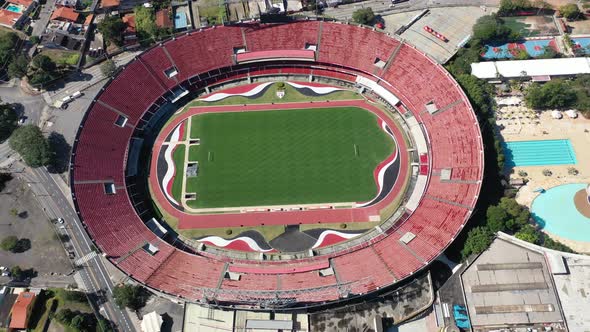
(531, 68)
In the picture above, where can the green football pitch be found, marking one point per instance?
(322, 155)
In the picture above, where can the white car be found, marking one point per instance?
(60, 220)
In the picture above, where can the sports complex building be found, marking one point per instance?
(277, 166)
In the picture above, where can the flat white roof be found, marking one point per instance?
(539, 67)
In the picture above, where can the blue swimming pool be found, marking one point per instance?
(555, 211)
(539, 153)
(180, 21)
(14, 8)
(534, 48)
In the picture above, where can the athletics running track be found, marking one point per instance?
(359, 214)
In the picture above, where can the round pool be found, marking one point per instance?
(556, 212)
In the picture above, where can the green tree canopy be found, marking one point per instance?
(478, 240)
(65, 316)
(570, 11)
(7, 47)
(553, 94)
(529, 234)
(9, 243)
(8, 121)
(496, 218)
(30, 143)
(112, 28)
(145, 24)
(364, 16)
(108, 68)
(42, 70)
(510, 6)
(18, 67)
(132, 297)
(17, 273)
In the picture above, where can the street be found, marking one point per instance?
(80, 81)
(92, 273)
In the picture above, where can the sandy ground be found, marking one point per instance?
(556, 3)
(580, 28)
(577, 131)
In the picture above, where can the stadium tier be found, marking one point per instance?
(448, 166)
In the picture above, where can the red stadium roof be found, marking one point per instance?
(452, 166)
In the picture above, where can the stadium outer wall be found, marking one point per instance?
(122, 234)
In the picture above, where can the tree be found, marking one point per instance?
(496, 218)
(479, 93)
(17, 273)
(8, 119)
(518, 215)
(103, 325)
(555, 245)
(510, 6)
(570, 11)
(529, 234)
(30, 143)
(18, 68)
(42, 70)
(7, 47)
(22, 245)
(461, 64)
(364, 16)
(112, 28)
(145, 24)
(77, 322)
(108, 68)
(9, 243)
(132, 297)
(553, 94)
(478, 240)
(65, 316)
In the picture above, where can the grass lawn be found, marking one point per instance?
(304, 156)
(62, 56)
(531, 26)
(178, 157)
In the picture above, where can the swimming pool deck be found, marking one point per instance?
(549, 128)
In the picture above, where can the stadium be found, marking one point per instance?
(277, 166)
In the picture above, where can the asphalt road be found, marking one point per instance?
(80, 81)
(92, 273)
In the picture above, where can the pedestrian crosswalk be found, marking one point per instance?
(85, 258)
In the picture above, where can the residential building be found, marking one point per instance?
(21, 311)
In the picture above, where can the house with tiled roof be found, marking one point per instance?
(164, 19)
(21, 311)
(15, 12)
(65, 14)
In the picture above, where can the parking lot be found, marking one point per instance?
(46, 255)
